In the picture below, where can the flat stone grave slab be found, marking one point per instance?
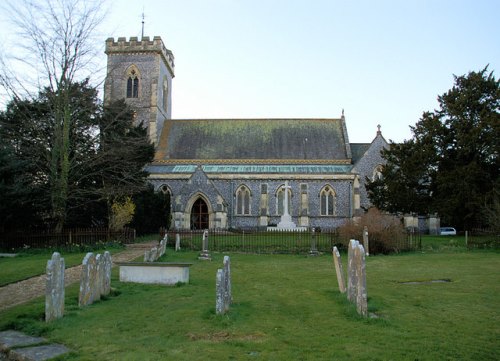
(9, 339)
(38, 353)
(166, 273)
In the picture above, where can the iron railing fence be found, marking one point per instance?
(68, 237)
(279, 241)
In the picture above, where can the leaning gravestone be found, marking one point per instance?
(54, 290)
(99, 280)
(339, 270)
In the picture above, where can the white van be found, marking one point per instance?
(448, 231)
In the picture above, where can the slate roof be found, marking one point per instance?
(238, 141)
(358, 150)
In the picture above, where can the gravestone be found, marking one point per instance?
(220, 305)
(352, 281)
(365, 240)
(99, 280)
(87, 280)
(205, 255)
(54, 290)
(361, 294)
(314, 248)
(177, 242)
(223, 291)
(227, 279)
(163, 247)
(106, 286)
(339, 270)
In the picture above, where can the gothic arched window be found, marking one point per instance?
(328, 201)
(243, 201)
(132, 82)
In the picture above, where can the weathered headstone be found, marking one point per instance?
(205, 255)
(177, 242)
(352, 281)
(227, 280)
(147, 256)
(99, 280)
(365, 240)
(220, 304)
(54, 290)
(87, 280)
(361, 294)
(106, 286)
(314, 249)
(339, 270)
(163, 247)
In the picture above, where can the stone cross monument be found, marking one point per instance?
(286, 219)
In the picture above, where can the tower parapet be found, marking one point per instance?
(145, 45)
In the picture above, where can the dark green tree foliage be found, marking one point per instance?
(451, 164)
(152, 211)
(105, 159)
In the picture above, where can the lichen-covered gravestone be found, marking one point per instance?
(87, 280)
(54, 290)
(339, 270)
(106, 286)
(227, 280)
(223, 294)
(361, 295)
(177, 242)
(352, 281)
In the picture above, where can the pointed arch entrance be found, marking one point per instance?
(199, 215)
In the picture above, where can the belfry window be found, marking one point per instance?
(243, 201)
(328, 201)
(133, 84)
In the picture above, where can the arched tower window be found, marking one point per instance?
(243, 201)
(165, 93)
(280, 195)
(132, 82)
(328, 201)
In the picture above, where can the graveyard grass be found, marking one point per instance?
(288, 307)
(27, 265)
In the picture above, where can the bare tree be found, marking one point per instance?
(55, 44)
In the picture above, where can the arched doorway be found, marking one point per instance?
(199, 215)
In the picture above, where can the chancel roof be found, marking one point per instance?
(268, 141)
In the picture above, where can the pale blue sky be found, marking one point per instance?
(382, 61)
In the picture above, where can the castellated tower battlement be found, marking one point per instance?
(144, 45)
(141, 73)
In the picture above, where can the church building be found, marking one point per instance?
(230, 173)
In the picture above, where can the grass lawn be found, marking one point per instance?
(288, 307)
(26, 265)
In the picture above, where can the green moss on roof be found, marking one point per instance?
(253, 139)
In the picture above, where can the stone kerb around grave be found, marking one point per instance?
(54, 290)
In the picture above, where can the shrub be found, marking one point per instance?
(385, 232)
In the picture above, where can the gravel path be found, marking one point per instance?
(17, 293)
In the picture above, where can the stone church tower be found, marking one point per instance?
(141, 72)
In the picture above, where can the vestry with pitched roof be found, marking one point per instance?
(229, 173)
